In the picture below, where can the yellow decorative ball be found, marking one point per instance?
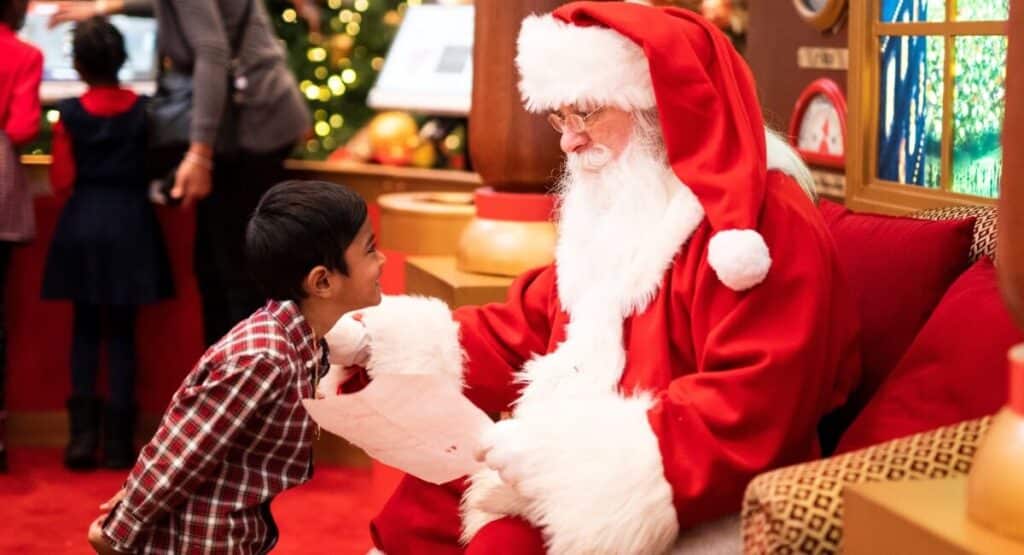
(390, 131)
(424, 156)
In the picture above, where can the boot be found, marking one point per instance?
(118, 435)
(84, 414)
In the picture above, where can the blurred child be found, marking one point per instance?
(107, 254)
(21, 68)
(236, 434)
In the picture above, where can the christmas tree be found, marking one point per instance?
(336, 61)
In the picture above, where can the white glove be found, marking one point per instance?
(503, 448)
(348, 343)
(328, 386)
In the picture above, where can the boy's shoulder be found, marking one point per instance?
(265, 335)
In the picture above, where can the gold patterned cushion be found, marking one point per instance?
(798, 509)
(984, 243)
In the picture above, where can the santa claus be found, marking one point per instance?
(691, 333)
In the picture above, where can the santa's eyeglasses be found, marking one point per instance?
(575, 122)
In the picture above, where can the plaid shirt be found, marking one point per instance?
(234, 436)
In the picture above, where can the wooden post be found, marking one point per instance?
(516, 153)
(1011, 196)
(511, 149)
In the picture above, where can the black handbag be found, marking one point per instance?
(170, 110)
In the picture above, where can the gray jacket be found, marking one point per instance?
(273, 113)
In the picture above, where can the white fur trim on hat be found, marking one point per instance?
(739, 257)
(563, 64)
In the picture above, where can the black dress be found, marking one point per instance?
(108, 247)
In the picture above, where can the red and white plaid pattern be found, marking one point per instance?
(234, 436)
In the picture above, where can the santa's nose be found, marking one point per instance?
(572, 141)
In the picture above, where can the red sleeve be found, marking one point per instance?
(62, 166)
(499, 338)
(771, 362)
(23, 123)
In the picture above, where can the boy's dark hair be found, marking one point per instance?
(98, 49)
(297, 226)
(12, 13)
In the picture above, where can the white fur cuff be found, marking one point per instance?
(413, 335)
(488, 499)
(594, 480)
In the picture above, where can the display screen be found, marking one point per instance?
(139, 36)
(429, 67)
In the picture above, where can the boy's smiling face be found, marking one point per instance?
(361, 287)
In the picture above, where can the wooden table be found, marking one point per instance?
(919, 516)
(436, 276)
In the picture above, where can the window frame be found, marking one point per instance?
(864, 190)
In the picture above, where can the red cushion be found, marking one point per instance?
(955, 369)
(899, 268)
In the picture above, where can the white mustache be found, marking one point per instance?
(592, 159)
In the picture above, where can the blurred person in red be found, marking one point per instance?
(21, 68)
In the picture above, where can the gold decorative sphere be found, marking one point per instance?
(391, 132)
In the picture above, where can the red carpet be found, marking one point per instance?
(47, 509)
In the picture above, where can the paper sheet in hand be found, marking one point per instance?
(415, 422)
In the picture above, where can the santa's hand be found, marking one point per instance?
(328, 386)
(503, 448)
(348, 342)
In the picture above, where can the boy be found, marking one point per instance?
(235, 434)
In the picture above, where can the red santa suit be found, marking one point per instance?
(645, 395)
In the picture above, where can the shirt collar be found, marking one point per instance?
(300, 333)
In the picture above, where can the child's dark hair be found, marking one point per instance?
(98, 49)
(12, 13)
(297, 226)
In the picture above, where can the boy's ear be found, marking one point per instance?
(318, 282)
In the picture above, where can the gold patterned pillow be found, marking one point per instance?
(799, 509)
(984, 243)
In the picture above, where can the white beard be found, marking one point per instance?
(609, 213)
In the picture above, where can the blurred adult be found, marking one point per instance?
(227, 167)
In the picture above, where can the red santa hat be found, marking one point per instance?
(636, 57)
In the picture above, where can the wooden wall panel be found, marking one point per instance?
(775, 33)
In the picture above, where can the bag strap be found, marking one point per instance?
(236, 42)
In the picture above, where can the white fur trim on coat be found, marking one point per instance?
(413, 335)
(562, 64)
(739, 257)
(596, 482)
(488, 499)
